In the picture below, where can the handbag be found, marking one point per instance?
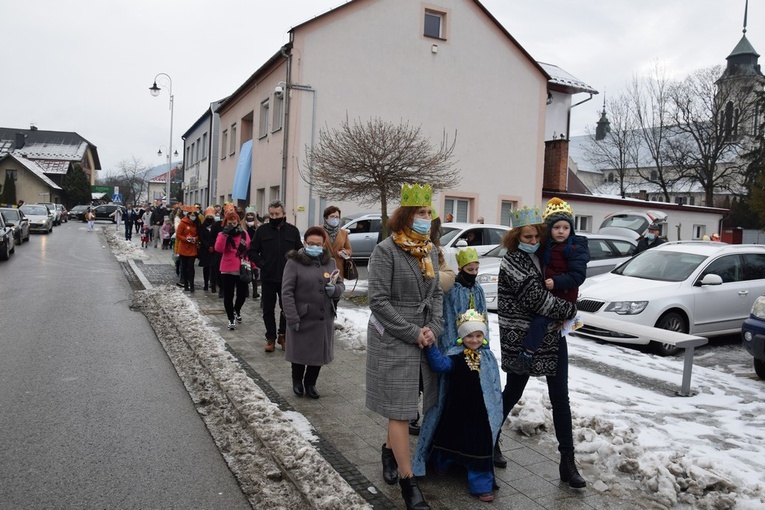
(350, 270)
(245, 271)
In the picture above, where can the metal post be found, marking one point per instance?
(154, 89)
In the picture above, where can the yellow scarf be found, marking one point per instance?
(418, 246)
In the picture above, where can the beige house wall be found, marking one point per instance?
(29, 187)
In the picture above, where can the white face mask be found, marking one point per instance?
(250, 223)
(333, 222)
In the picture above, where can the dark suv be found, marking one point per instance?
(104, 212)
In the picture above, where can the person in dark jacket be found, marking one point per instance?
(130, 216)
(564, 266)
(310, 282)
(251, 224)
(156, 219)
(207, 246)
(272, 242)
(651, 239)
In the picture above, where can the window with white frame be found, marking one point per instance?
(204, 146)
(457, 207)
(506, 213)
(263, 129)
(583, 223)
(199, 149)
(192, 159)
(224, 143)
(434, 24)
(233, 138)
(699, 231)
(276, 122)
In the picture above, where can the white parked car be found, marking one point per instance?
(606, 252)
(40, 219)
(696, 287)
(482, 237)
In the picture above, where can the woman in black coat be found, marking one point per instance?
(206, 253)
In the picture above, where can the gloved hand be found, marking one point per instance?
(228, 229)
(295, 327)
(329, 288)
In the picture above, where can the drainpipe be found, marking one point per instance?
(285, 156)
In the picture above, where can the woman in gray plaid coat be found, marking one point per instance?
(406, 304)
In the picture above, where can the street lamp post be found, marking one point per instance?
(154, 89)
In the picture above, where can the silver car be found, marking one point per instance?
(606, 252)
(40, 219)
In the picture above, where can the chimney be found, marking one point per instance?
(556, 166)
(20, 141)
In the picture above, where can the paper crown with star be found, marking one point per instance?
(471, 321)
(526, 216)
(416, 195)
(466, 256)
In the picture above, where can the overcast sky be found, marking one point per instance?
(86, 65)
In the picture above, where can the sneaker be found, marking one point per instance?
(238, 317)
(231, 325)
(522, 364)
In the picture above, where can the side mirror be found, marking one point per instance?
(711, 279)
(462, 243)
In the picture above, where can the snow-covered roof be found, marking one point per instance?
(565, 79)
(33, 168)
(47, 145)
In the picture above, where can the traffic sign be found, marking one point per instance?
(117, 198)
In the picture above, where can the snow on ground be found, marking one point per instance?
(706, 451)
(123, 249)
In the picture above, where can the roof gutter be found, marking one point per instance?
(568, 117)
(285, 156)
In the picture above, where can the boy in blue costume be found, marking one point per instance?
(470, 416)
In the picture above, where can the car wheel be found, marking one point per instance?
(671, 321)
(759, 368)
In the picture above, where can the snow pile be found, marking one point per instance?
(121, 248)
(276, 466)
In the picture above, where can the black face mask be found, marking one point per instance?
(468, 278)
(276, 221)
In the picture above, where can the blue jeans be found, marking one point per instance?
(557, 388)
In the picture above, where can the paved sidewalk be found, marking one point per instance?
(351, 435)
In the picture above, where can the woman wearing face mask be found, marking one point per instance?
(187, 236)
(309, 284)
(232, 243)
(522, 295)
(338, 244)
(406, 303)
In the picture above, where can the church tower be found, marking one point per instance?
(737, 88)
(603, 125)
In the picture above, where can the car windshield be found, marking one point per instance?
(449, 233)
(498, 252)
(37, 210)
(661, 265)
(630, 221)
(11, 215)
(80, 208)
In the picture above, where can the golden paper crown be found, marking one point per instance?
(558, 207)
(416, 195)
(466, 256)
(470, 316)
(526, 216)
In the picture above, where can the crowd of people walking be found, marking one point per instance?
(428, 341)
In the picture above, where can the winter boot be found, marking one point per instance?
(499, 460)
(522, 364)
(281, 340)
(270, 345)
(412, 496)
(390, 466)
(569, 473)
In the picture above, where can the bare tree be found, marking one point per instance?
(618, 151)
(650, 104)
(131, 179)
(706, 143)
(369, 161)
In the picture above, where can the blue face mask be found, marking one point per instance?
(333, 222)
(421, 226)
(314, 251)
(650, 236)
(528, 248)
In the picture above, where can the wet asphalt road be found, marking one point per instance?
(92, 412)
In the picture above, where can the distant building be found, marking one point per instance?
(39, 161)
